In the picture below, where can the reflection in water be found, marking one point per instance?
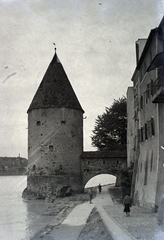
(20, 219)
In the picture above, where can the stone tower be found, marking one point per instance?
(55, 134)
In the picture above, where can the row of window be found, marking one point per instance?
(150, 90)
(38, 123)
(146, 131)
(146, 95)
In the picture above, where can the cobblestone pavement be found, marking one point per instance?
(142, 223)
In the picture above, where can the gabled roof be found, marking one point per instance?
(55, 90)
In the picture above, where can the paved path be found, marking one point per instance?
(72, 226)
(103, 198)
(142, 224)
(103, 202)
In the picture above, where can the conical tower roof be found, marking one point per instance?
(55, 90)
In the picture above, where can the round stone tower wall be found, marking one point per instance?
(55, 144)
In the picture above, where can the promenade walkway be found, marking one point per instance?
(142, 224)
(74, 223)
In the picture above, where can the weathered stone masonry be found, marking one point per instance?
(95, 163)
(55, 139)
(55, 134)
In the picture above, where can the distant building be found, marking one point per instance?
(13, 166)
(148, 122)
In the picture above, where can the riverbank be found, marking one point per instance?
(142, 223)
(60, 209)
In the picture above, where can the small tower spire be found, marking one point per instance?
(55, 56)
(55, 47)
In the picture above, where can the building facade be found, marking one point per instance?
(130, 126)
(148, 121)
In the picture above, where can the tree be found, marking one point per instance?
(111, 127)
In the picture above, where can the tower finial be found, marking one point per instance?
(55, 47)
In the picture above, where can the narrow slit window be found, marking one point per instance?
(38, 123)
(152, 127)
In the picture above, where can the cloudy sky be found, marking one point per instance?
(95, 42)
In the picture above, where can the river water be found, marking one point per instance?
(19, 219)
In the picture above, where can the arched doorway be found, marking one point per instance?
(103, 179)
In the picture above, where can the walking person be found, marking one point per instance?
(127, 205)
(160, 216)
(99, 187)
(90, 195)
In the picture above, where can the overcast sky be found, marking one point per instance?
(95, 42)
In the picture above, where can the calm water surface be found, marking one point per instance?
(19, 219)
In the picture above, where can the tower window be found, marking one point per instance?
(38, 123)
(51, 147)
